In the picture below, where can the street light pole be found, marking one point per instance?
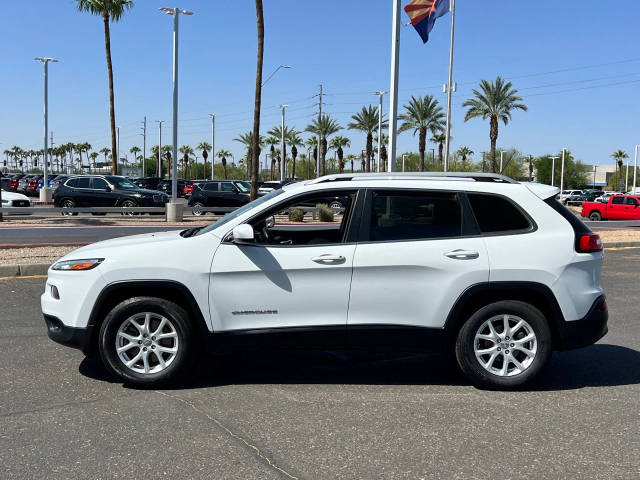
(117, 148)
(174, 170)
(553, 169)
(283, 162)
(393, 84)
(160, 122)
(564, 152)
(635, 170)
(381, 94)
(274, 72)
(45, 192)
(144, 145)
(213, 143)
(626, 178)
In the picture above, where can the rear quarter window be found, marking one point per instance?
(496, 214)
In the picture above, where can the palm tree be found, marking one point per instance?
(82, 147)
(619, 156)
(272, 142)
(185, 150)
(222, 155)
(324, 127)
(422, 115)
(255, 144)
(465, 152)
(109, 10)
(295, 141)
(383, 150)
(496, 101)
(366, 120)
(247, 140)
(135, 151)
(312, 143)
(338, 143)
(276, 132)
(205, 147)
(93, 156)
(439, 138)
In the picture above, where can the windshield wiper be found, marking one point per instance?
(190, 232)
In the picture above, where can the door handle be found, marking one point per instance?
(329, 258)
(460, 254)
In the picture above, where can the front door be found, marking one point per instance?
(297, 273)
(419, 253)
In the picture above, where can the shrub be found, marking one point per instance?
(325, 214)
(296, 215)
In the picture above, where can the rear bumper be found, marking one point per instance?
(79, 338)
(586, 331)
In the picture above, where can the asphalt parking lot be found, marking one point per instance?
(320, 415)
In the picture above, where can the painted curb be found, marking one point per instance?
(24, 270)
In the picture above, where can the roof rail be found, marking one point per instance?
(459, 176)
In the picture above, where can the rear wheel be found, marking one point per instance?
(595, 216)
(147, 341)
(504, 345)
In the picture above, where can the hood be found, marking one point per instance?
(14, 196)
(144, 240)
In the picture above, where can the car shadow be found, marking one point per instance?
(596, 366)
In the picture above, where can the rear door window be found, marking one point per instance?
(211, 187)
(496, 214)
(414, 215)
(83, 182)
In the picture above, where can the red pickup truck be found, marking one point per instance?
(618, 207)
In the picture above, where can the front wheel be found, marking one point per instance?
(504, 345)
(147, 341)
(197, 209)
(129, 204)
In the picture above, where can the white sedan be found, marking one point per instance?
(15, 202)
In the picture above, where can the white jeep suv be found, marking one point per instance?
(497, 271)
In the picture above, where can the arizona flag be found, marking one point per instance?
(423, 15)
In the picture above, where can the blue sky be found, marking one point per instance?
(576, 63)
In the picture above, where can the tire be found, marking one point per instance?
(595, 216)
(68, 203)
(198, 206)
(177, 349)
(130, 204)
(336, 206)
(491, 374)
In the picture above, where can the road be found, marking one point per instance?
(320, 415)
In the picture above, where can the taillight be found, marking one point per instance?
(589, 243)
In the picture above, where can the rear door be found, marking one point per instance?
(419, 250)
(616, 208)
(632, 208)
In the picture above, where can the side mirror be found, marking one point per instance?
(243, 234)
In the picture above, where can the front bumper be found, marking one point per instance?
(586, 331)
(79, 338)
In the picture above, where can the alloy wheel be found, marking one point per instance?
(505, 345)
(147, 342)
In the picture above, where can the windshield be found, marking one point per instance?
(244, 187)
(122, 183)
(236, 213)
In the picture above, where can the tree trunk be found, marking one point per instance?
(255, 147)
(422, 144)
(224, 167)
(323, 156)
(440, 156)
(340, 160)
(112, 110)
(369, 149)
(294, 154)
(493, 136)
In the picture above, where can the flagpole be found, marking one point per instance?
(452, 8)
(393, 85)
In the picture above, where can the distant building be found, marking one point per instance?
(599, 175)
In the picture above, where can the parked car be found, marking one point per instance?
(426, 263)
(149, 183)
(50, 179)
(23, 183)
(15, 202)
(188, 188)
(617, 207)
(268, 187)
(219, 193)
(570, 196)
(32, 187)
(165, 186)
(5, 183)
(105, 191)
(15, 180)
(56, 182)
(591, 195)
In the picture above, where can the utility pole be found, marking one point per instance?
(393, 84)
(450, 86)
(283, 163)
(635, 170)
(160, 122)
(213, 143)
(144, 145)
(381, 94)
(553, 170)
(117, 148)
(318, 169)
(564, 152)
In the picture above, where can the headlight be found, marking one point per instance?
(84, 264)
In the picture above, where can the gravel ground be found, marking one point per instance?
(609, 236)
(22, 256)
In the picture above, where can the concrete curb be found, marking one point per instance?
(42, 268)
(24, 270)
